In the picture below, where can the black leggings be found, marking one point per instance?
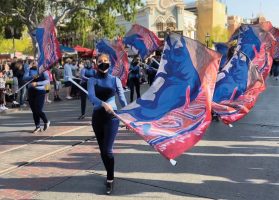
(36, 100)
(134, 82)
(105, 127)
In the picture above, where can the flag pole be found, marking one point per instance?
(173, 162)
(76, 84)
(24, 85)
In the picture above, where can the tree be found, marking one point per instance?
(31, 12)
(220, 34)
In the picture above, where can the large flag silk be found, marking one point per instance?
(142, 41)
(118, 58)
(241, 80)
(49, 49)
(176, 110)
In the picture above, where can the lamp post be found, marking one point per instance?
(13, 35)
(207, 38)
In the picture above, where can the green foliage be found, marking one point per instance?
(23, 45)
(80, 16)
(219, 34)
(101, 19)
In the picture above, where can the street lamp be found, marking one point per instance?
(207, 38)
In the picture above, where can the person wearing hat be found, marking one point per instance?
(102, 89)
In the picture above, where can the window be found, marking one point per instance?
(171, 23)
(160, 26)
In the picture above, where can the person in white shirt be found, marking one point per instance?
(68, 74)
(2, 91)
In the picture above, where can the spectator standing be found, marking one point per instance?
(275, 68)
(19, 72)
(68, 74)
(2, 90)
(56, 81)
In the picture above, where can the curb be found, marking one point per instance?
(13, 110)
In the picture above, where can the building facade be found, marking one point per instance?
(161, 16)
(211, 19)
(235, 21)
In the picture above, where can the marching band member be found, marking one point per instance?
(86, 73)
(101, 92)
(36, 94)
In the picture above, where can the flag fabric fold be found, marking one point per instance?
(242, 79)
(142, 41)
(174, 113)
(118, 58)
(223, 49)
(48, 45)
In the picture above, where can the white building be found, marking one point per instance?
(162, 15)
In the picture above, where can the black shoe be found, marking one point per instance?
(81, 117)
(37, 129)
(58, 99)
(55, 99)
(109, 188)
(46, 125)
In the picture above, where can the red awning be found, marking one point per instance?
(81, 49)
(85, 52)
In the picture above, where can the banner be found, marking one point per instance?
(49, 50)
(142, 41)
(118, 58)
(241, 80)
(174, 113)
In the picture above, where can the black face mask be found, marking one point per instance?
(103, 66)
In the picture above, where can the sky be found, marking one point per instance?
(247, 8)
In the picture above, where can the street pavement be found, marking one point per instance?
(64, 163)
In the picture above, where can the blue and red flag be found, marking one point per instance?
(275, 32)
(223, 49)
(175, 111)
(49, 50)
(241, 80)
(142, 41)
(118, 58)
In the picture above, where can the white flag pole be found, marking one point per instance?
(79, 86)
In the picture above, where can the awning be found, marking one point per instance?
(85, 52)
(81, 49)
(67, 50)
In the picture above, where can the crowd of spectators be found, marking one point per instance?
(13, 89)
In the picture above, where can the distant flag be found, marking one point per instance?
(49, 50)
(174, 113)
(275, 32)
(241, 80)
(118, 58)
(142, 41)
